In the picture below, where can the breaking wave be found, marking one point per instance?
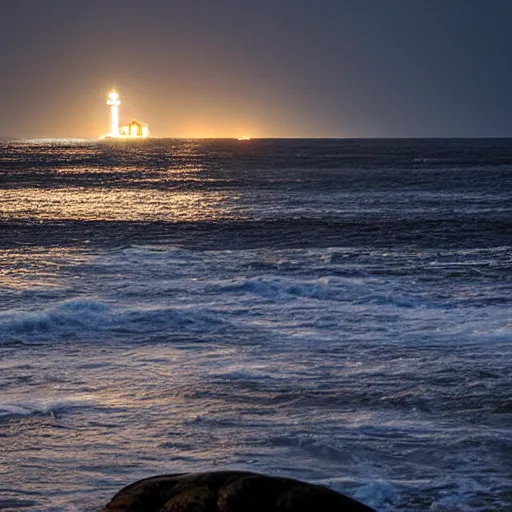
(326, 288)
(275, 287)
(43, 407)
(85, 317)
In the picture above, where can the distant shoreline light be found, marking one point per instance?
(134, 130)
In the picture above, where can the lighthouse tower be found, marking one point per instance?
(113, 102)
(134, 130)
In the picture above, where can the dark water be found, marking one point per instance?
(332, 310)
(425, 193)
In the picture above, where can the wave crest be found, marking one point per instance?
(275, 288)
(80, 318)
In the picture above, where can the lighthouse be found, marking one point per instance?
(134, 130)
(113, 102)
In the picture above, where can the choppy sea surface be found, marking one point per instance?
(337, 311)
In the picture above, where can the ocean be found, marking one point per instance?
(337, 311)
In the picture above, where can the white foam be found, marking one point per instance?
(279, 288)
(84, 317)
(44, 407)
(377, 494)
(73, 314)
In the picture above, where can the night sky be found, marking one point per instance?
(267, 68)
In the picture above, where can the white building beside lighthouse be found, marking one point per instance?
(134, 130)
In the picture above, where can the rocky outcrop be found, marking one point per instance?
(229, 491)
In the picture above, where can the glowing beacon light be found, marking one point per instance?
(113, 102)
(134, 130)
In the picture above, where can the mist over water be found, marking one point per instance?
(333, 311)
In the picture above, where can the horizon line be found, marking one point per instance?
(387, 137)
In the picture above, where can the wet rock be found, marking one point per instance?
(229, 491)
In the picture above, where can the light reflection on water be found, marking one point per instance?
(34, 267)
(78, 180)
(114, 204)
(66, 181)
